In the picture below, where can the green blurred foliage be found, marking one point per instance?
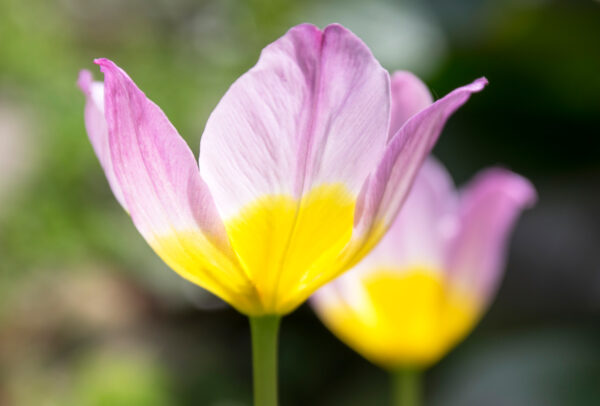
(97, 380)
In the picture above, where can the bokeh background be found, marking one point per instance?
(89, 316)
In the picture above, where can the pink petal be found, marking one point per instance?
(409, 96)
(313, 110)
(489, 208)
(386, 189)
(168, 201)
(95, 124)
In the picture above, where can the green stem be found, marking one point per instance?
(265, 331)
(407, 387)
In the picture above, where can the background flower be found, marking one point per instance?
(426, 284)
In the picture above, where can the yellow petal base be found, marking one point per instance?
(407, 318)
(281, 246)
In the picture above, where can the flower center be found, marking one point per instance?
(284, 244)
(406, 318)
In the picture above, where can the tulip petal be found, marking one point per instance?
(409, 96)
(286, 152)
(489, 208)
(314, 110)
(168, 201)
(386, 189)
(95, 124)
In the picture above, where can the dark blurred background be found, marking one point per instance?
(88, 314)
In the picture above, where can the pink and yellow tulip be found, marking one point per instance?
(298, 175)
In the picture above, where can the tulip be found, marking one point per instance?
(298, 174)
(431, 277)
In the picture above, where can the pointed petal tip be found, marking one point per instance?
(479, 84)
(106, 65)
(103, 61)
(474, 87)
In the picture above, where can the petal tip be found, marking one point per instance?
(402, 74)
(528, 193)
(307, 29)
(84, 80)
(523, 190)
(306, 26)
(102, 61)
(480, 83)
(519, 188)
(335, 27)
(340, 31)
(105, 64)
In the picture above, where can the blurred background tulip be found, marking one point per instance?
(89, 315)
(428, 281)
(431, 277)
